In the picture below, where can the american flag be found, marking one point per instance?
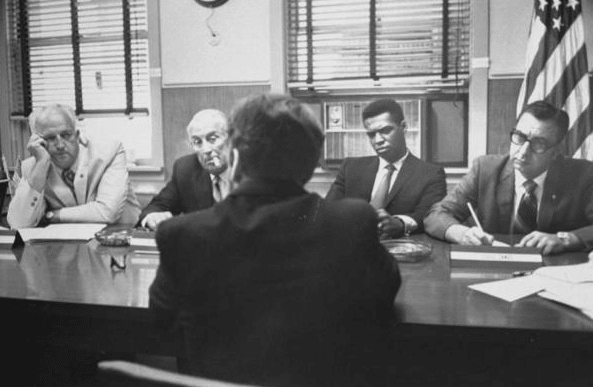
(557, 70)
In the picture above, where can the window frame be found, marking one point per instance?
(16, 133)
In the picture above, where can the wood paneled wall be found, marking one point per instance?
(502, 105)
(180, 105)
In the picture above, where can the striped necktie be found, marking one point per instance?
(378, 200)
(526, 218)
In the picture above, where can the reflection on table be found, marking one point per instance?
(81, 273)
(433, 293)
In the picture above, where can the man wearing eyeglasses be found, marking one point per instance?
(71, 177)
(400, 186)
(199, 180)
(533, 191)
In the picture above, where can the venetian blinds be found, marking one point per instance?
(345, 40)
(89, 54)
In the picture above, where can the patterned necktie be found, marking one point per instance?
(216, 192)
(68, 177)
(378, 200)
(526, 219)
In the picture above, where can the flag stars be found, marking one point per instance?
(542, 5)
(573, 4)
(556, 4)
(557, 23)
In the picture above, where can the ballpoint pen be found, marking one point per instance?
(522, 273)
(474, 216)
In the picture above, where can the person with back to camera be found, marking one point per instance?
(275, 285)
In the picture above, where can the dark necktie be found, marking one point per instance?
(68, 177)
(378, 200)
(526, 219)
(216, 192)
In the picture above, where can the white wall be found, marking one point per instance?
(510, 21)
(242, 56)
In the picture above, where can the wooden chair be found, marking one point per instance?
(115, 373)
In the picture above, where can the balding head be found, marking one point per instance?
(208, 133)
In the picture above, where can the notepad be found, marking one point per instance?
(516, 258)
(143, 241)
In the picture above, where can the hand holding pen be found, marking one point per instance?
(476, 235)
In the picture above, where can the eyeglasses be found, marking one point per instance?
(536, 144)
(64, 136)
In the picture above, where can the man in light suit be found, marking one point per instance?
(274, 285)
(71, 177)
(401, 197)
(199, 180)
(532, 191)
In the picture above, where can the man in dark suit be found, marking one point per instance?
(399, 185)
(532, 191)
(199, 180)
(274, 285)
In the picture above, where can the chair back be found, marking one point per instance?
(115, 373)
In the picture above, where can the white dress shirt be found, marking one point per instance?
(409, 222)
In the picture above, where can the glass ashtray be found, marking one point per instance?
(407, 250)
(113, 237)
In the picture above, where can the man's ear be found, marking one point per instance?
(403, 125)
(233, 164)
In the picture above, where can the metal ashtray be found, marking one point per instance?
(108, 237)
(407, 250)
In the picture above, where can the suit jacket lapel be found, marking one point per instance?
(505, 194)
(408, 170)
(81, 175)
(549, 196)
(366, 179)
(202, 185)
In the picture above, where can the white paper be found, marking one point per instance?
(579, 273)
(511, 289)
(62, 231)
(500, 244)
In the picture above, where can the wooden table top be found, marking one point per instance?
(431, 294)
(77, 272)
(434, 294)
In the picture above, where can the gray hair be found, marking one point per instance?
(45, 113)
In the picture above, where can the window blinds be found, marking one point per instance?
(333, 40)
(90, 54)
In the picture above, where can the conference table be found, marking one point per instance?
(87, 296)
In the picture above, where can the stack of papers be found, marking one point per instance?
(61, 232)
(571, 285)
(144, 242)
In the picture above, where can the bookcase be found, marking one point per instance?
(436, 127)
(345, 135)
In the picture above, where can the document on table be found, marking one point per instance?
(61, 232)
(571, 285)
(512, 289)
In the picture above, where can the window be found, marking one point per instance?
(89, 54)
(342, 54)
(357, 40)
